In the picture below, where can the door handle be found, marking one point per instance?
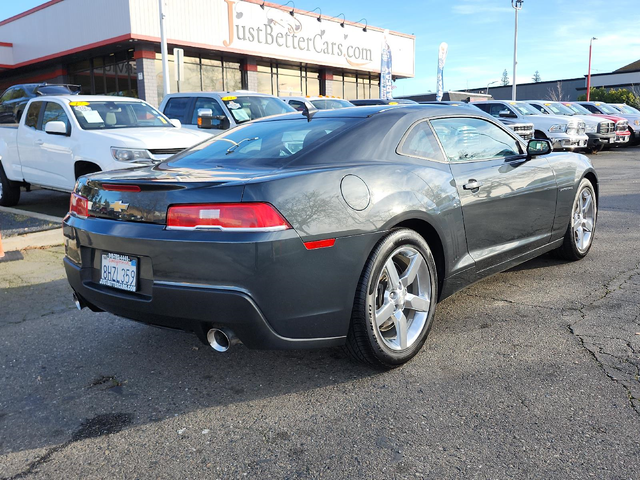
(39, 142)
(472, 185)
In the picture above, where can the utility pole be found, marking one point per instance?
(517, 5)
(163, 49)
(589, 72)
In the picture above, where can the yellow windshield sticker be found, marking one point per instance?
(512, 103)
(598, 104)
(547, 104)
(227, 99)
(162, 120)
(455, 104)
(393, 103)
(78, 104)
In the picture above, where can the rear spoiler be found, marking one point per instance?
(73, 89)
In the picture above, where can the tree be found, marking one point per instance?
(622, 95)
(556, 94)
(505, 78)
(536, 77)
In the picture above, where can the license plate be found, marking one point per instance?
(119, 271)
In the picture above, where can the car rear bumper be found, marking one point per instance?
(267, 288)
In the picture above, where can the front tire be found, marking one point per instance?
(395, 301)
(9, 191)
(582, 226)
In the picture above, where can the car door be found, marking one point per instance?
(30, 138)
(508, 201)
(53, 162)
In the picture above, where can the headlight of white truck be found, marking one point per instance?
(591, 128)
(558, 128)
(130, 154)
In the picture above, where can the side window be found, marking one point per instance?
(18, 93)
(420, 142)
(177, 108)
(591, 108)
(538, 107)
(32, 114)
(6, 96)
(54, 113)
(298, 105)
(473, 139)
(496, 108)
(203, 102)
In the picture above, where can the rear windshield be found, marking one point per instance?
(249, 107)
(268, 144)
(55, 90)
(118, 114)
(331, 104)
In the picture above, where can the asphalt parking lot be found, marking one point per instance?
(532, 373)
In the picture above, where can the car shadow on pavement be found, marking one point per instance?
(64, 368)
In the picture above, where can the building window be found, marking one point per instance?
(114, 74)
(352, 86)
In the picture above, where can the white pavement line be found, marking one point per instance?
(49, 238)
(26, 213)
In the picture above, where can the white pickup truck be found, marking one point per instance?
(60, 138)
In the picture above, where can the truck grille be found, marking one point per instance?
(576, 129)
(606, 127)
(521, 128)
(622, 126)
(165, 151)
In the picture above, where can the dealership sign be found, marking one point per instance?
(274, 32)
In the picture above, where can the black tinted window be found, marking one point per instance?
(298, 105)
(203, 102)
(591, 108)
(32, 114)
(420, 142)
(471, 139)
(178, 108)
(54, 113)
(263, 143)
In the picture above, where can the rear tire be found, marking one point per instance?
(9, 191)
(582, 226)
(395, 301)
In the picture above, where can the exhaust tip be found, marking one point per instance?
(218, 340)
(77, 301)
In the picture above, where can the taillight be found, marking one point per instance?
(252, 217)
(79, 206)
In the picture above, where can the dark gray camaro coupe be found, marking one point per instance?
(332, 228)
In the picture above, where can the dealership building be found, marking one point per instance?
(113, 47)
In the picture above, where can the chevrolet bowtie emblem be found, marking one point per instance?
(119, 206)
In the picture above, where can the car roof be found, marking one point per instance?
(237, 93)
(426, 111)
(88, 98)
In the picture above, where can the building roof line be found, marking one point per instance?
(30, 11)
(327, 17)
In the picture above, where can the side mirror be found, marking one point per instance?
(537, 147)
(224, 122)
(56, 128)
(175, 122)
(205, 117)
(507, 114)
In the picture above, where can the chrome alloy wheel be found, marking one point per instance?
(402, 298)
(583, 218)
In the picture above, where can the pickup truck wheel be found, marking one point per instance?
(9, 191)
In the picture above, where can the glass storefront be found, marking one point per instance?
(288, 80)
(202, 73)
(352, 86)
(113, 74)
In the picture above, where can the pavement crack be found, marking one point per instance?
(510, 302)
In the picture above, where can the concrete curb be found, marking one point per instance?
(49, 238)
(27, 213)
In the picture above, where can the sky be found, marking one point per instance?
(553, 36)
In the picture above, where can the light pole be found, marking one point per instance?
(517, 5)
(589, 72)
(490, 83)
(163, 50)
